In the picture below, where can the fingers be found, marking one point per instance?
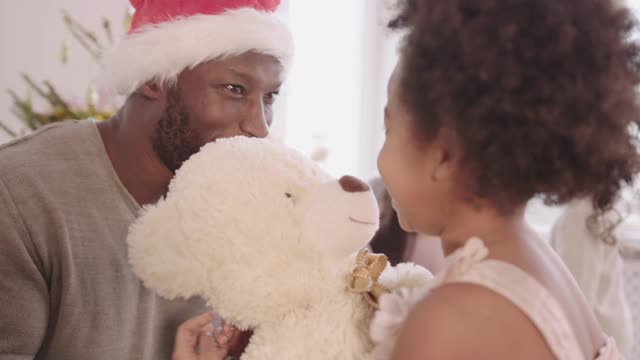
(187, 336)
(227, 336)
(216, 345)
(194, 324)
(197, 339)
(211, 350)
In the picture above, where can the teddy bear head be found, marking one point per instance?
(253, 227)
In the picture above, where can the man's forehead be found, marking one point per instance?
(245, 59)
(246, 65)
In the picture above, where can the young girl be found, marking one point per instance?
(494, 102)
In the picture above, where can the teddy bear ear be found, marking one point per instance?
(158, 255)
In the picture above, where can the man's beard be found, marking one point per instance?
(174, 139)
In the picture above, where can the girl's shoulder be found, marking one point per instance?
(461, 321)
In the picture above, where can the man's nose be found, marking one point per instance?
(353, 184)
(255, 123)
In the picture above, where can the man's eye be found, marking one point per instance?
(235, 90)
(270, 98)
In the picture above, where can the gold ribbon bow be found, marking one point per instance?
(364, 277)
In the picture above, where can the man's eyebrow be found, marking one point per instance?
(249, 78)
(241, 74)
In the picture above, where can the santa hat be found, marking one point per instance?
(169, 36)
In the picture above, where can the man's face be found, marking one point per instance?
(217, 99)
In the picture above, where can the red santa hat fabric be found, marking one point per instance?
(169, 36)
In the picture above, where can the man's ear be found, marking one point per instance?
(151, 90)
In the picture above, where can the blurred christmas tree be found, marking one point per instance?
(59, 108)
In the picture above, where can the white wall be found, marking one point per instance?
(337, 89)
(325, 97)
(31, 35)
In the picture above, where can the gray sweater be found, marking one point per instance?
(66, 288)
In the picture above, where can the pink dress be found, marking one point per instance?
(469, 265)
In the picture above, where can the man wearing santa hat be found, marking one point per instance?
(193, 71)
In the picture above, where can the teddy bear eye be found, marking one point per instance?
(288, 195)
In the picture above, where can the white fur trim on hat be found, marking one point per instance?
(160, 52)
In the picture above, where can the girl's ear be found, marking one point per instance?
(444, 153)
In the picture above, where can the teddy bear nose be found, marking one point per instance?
(352, 184)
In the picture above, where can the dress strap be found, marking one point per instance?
(469, 265)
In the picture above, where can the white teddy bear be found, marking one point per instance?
(269, 239)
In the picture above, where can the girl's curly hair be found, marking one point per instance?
(542, 95)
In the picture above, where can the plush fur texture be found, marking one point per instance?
(408, 284)
(265, 236)
(160, 52)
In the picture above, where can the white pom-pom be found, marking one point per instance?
(405, 275)
(408, 284)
